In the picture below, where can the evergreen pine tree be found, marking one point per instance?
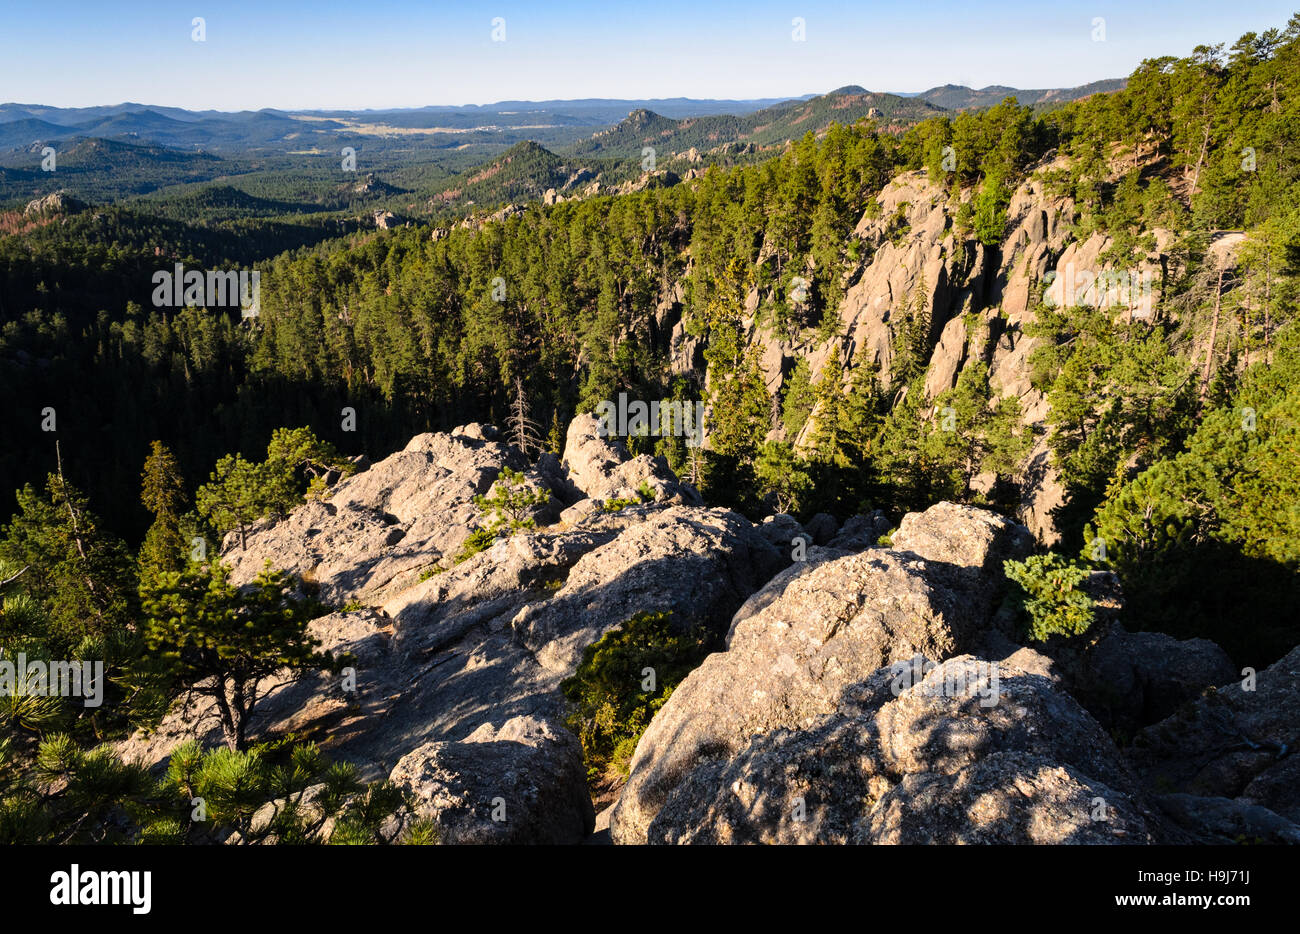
(235, 497)
(163, 494)
(82, 577)
(555, 439)
(222, 640)
(797, 400)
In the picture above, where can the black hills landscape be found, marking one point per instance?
(854, 467)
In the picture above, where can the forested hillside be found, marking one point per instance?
(676, 292)
(769, 128)
(959, 97)
(1083, 317)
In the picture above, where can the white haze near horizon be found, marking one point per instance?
(389, 54)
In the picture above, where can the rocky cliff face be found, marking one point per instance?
(978, 298)
(865, 694)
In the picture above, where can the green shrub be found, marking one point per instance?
(644, 494)
(609, 704)
(281, 791)
(507, 509)
(990, 211)
(510, 506)
(1049, 595)
(478, 540)
(898, 228)
(314, 800)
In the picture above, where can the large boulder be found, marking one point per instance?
(1131, 679)
(964, 752)
(1237, 742)
(798, 643)
(602, 469)
(781, 530)
(1013, 798)
(861, 531)
(1226, 821)
(378, 530)
(522, 783)
(589, 456)
(698, 564)
(822, 527)
(964, 536)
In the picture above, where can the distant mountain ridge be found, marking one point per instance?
(768, 127)
(960, 97)
(672, 106)
(444, 157)
(102, 169)
(21, 126)
(174, 126)
(700, 123)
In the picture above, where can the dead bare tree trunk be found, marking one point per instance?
(1268, 291)
(524, 432)
(1214, 332)
(72, 517)
(1245, 331)
(1200, 161)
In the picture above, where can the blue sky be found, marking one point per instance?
(408, 53)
